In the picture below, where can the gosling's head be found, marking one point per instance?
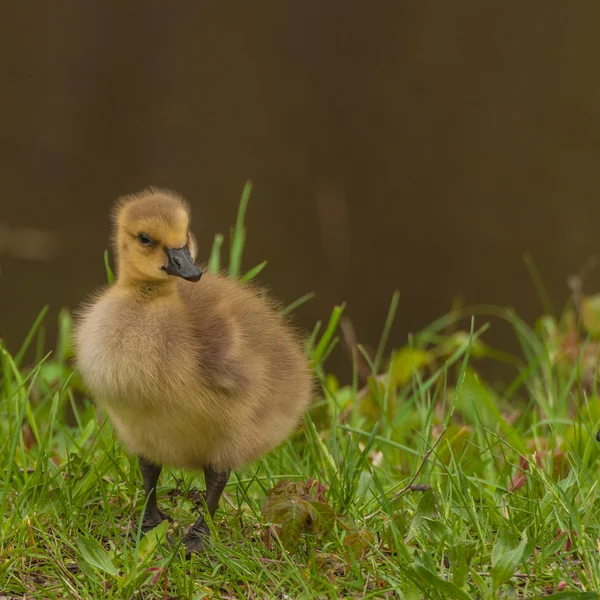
(152, 238)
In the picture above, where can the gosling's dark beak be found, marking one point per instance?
(598, 436)
(181, 264)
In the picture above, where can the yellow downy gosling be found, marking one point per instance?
(195, 371)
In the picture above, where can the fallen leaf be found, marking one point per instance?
(358, 541)
(298, 507)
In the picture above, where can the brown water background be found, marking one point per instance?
(423, 146)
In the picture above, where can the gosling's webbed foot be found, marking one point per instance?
(196, 538)
(149, 522)
(154, 519)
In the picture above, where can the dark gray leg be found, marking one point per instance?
(215, 484)
(153, 515)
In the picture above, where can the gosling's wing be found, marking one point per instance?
(219, 341)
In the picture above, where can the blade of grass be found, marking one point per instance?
(327, 336)
(25, 346)
(214, 263)
(386, 331)
(254, 272)
(297, 303)
(539, 284)
(110, 276)
(239, 233)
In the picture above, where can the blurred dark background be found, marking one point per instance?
(423, 146)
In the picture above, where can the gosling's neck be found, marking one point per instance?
(145, 290)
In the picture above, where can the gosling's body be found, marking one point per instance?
(196, 372)
(205, 373)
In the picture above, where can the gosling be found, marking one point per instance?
(195, 371)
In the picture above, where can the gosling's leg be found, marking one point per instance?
(215, 484)
(153, 515)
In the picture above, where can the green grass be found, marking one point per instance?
(421, 481)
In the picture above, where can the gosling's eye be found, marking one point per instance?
(145, 240)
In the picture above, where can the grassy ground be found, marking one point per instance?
(415, 480)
